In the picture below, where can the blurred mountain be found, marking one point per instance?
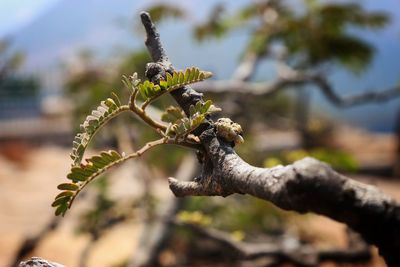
(73, 25)
(107, 27)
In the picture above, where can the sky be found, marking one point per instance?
(15, 14)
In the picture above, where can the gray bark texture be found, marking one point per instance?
(39, 262)
(307, 185)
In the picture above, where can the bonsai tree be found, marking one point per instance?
(307, 185)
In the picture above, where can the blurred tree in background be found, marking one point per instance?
(310, 37)
(306, 39)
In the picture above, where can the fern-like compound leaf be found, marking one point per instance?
(180, 125)
(93, 122)
(148, 89)
(172, 114)
(81, 175)
(181, 78)
(131, 82)
(172, 82)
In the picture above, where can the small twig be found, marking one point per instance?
(152, 99)
(184, 96)
(301, 255)
(146, 118)
(136, 154)
(268, 88)
(146, 103)
(156, 234)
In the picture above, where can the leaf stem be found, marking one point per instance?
(136, 154)
(143, 115)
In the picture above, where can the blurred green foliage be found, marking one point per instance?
(244, 213)
(93, 218)
(163, 11)
(94, 82)
(337, 159)
(315, 34)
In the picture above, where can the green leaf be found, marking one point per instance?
(169, 80)
(114, 95)
(143, 90)
(192, 110)
(126, 81)
(115, 154)
(163, 84)
(206, 106)
(110, 103)
(107, 156)
(192, 72)
(213, 109)
(181, 78)
(60, 200)
(107, 110)
(132, 82)
(181, 127)
(196, 73)
(196, 121)
(148, 89)
(197, 114)
(198, 106)
(82, 175)
(172, 114)
(175, 78)
(186, 76)
(63, 194)
(68, 186)
(61, 209)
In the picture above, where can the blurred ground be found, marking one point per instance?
(29, 176)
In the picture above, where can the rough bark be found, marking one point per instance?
(38, 262)
(305, 186)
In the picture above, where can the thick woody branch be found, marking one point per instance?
(282, 252)
(363, 98)
(305, 186)
(184, 96)
(268, 88)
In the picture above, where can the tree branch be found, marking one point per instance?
(246, 68)
(158, 232)
(39, 262)
(298, 254)
(306, 186)
(268, 88)
(184, 96)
